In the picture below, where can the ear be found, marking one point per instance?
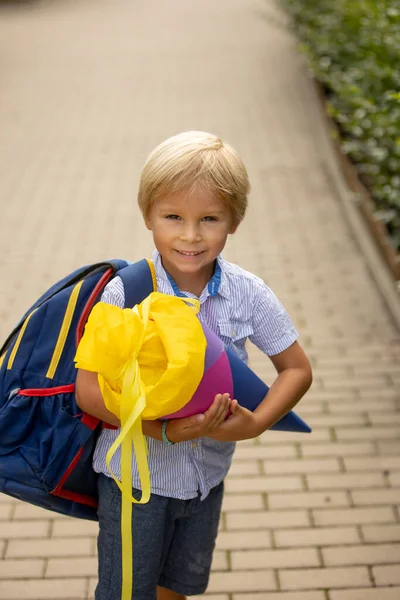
(233, 229)
(147, 222)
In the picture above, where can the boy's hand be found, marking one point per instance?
(242, 424)
(190, 428)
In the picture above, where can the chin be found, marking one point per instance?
(189, 268)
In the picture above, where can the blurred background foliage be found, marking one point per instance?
(354, 50)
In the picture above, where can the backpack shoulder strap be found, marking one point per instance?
(139, 281)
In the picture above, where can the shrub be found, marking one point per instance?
(354, 50)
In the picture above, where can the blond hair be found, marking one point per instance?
(191, 159)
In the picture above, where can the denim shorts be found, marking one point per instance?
(173, 542)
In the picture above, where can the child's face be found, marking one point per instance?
(190, 231)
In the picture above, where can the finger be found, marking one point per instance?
(222, 414)
(224, 406)
(234, 406)
(212, 412)
(193, 421)
(222, 411)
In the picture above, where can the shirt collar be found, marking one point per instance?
(218, 284)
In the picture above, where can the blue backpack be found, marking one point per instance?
(46, 442)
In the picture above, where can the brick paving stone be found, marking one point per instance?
(374, 463)
(281, 596)
(381, 533)
(71, 567)
(369, 433)
(57, 547)
(242, 581)
(379, 497)
(68, 528)
(389, 418)
(267, 519)
(274, 559)
(21, 569)
(394, 478)
(231, 540)
(283, 437)
(349, 516)
(267, 452)
(245, 467)
(6, 511)
(386, 574)
(338, 449)
(347, 420)
(235, 502)
(308, 499)
(322, 465)
(263, 484)
(345, 481)
(309, 579)
(78, 119)
(29, 512)
(42, 589)
(361, 555)
(92, 587)
(220, 561)
(213, 597)
(380, 593)
(18, 529)
(391, 447)
(4, 499)
(316, 537)
(368, 407)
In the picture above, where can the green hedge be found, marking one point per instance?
(354, 51)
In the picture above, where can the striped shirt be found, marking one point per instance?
(236, 305)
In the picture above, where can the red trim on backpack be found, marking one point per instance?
(80, 498)
(62, 389)
(87, 420)
(79, 332)
(90, 421)
(61, 493)
(89, 304)
(109, 426)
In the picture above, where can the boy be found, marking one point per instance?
(192, 194)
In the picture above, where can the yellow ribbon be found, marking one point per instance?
(121, 346)
(133, 403)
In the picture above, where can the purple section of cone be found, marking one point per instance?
(214, 348)
(217, 380)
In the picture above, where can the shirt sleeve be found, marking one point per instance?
(114, 293)
(273, 330)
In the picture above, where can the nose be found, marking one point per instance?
(190, 233)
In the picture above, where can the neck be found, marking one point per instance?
(192, 282)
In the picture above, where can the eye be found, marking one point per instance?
(173, 217)
(209, 219)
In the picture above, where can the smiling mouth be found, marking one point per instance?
(189, 253)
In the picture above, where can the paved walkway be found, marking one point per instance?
(87, 89)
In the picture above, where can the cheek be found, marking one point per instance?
(164, 232)
(217, 234)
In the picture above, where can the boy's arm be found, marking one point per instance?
(90, 400)
(294, 379)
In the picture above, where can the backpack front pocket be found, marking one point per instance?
(41, 430)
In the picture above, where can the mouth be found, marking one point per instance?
(183, 253)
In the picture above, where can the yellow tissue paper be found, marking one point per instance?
(150, 361)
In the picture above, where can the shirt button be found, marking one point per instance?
(233, 334)
(194, 445)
